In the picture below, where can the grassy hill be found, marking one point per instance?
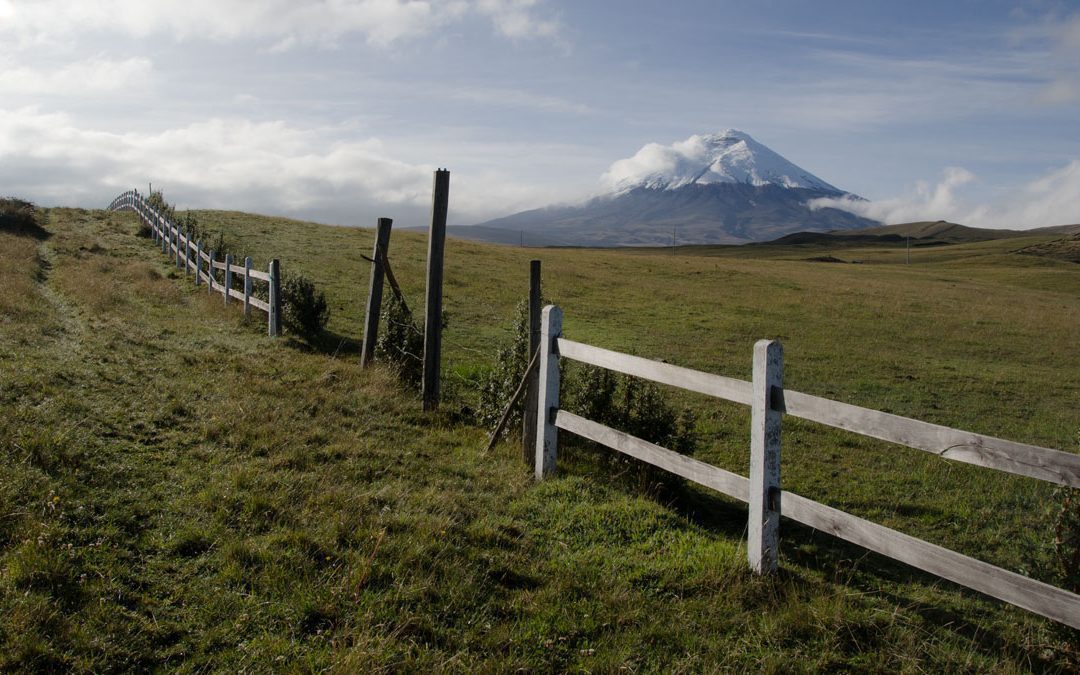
(179, 490)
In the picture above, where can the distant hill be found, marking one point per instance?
(1066, 248)
(922, 233)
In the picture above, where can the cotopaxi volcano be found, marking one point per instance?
(723, 188)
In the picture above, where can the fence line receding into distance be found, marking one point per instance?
(769, 401)
(192, 257)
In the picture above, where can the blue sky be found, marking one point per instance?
(339, 110)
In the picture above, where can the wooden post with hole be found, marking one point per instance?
(247, 287)
(528, 420)
(764, 494)
(274, 316)
(187, 251)
(228, 276)
(440, 199)
(375, 291)
(547, 403)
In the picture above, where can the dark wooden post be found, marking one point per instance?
(247, 287)
(274, 318)
(528, 422)
(211, 275)
(228, 276)
(375, 288)
(433, 310)
(198, 262)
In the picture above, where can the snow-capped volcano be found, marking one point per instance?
(730, 156)
(723, 188)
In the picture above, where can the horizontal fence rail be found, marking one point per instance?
(191, 255)
(773, 400)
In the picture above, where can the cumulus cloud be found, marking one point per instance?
(1065, 85)
(91, 76)
(1053, 199)
(266, 167)
(285, 22)
(516, 18)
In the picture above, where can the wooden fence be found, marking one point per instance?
(192, 256)
(769, 401)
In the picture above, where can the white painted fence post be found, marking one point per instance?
(198, 262)
(228, 276)
(547, 402)
(767, 411)
(247, 287)
(187, 251)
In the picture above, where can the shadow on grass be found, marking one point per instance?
(327, 342)
(846, 564)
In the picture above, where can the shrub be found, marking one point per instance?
(19, 216)
(499, 384)
(401, 341)
(632, 405)
(637, 407)
(1067, 535)
(303, 306)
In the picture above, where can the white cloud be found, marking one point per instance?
(94, 75)
(1065, 85)
(515, 18)
(285, 22)
(266, 167)
(1053, 199)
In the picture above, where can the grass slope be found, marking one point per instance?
(178, 490)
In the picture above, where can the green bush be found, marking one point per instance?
(303, 306)
(1067, 535)
(626, 403)
(401, 341)
(18, 215)
(637, 407)
(499, 384)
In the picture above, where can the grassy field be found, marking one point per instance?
(178, 490)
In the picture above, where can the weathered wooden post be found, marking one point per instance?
(547, 403)
(187, 251)
(528, 420)
(433, 309)
(179, 241)
(211, 276)
(247, 287)
(164, 234)
(375, 289)
(274, 316)
(198, 262)
(767, 410)
(228, 276)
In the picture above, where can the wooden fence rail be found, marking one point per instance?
(190, 255)
(770, 401)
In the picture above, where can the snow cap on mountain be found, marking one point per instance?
(730, 156)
